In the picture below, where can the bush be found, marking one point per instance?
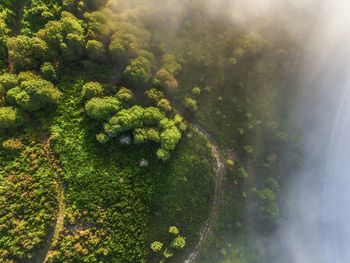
(164, 105)
(139, 71)
(10, 118)
(196, 91)
(178, 243)
(173, 230)
(36, 94)
(48, 70)
(191, 104)
(156, 246)
(102, 108)
(102, 138)
(12, 144)
(154, 95)
(8, 81)
(96, 50)
(125, 95)
(91, 89)
(163, 154)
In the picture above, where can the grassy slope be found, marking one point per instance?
(113, 205)
(28, 197)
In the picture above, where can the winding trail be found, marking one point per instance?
(220, 173)
(219, 178)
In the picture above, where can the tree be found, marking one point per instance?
(174, 230)
(102, 138)
(165, 79)
(25, 52)
(12, 144)
(139, 71)
(191, 104)
(156, 246)
(97, 28)
(36, 94)
(49, 71)
(170, 64)
(123, 47)
(152, 116)
(4, 33)
(27, 75)
(142, 135)
(125, 95)
(102, 108)
(96, 50)
(170, 137)
(164, 105)
(65, 37)
(196, 91)
(180, 123)
(91, 89)
(37, 14)
(8, 81)
(125, 120)
(10, 118)
(178, 243)
(154, 95)
(163, 154)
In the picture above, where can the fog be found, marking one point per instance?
(314, 227)
(315, 222)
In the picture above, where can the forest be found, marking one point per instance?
(134, 131)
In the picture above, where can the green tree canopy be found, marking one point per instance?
(34, 94)
(139, 70)
(91, 89)
(10, 117)
(102, 108)
(26, 52)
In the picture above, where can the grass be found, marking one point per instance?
(28, 198)
(115, 208)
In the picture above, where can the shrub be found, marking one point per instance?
(154, 95)
(91, 89)
(10, 118)
(163, 154)
(173, 230)
(229, 162)
(139, 71)
(96, 50)
(196, 91)
(102, 108)
(36, 94)
(178, 243)
(48, 70)
(8, 81)
(164, 105)
(125, 95)
(102, 138)
(191, 104)
(12, 144)
(156, 246)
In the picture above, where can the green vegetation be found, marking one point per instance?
(28, 193)
(175, 242)
(107, 186)
(93, 97)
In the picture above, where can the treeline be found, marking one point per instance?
(55, 36)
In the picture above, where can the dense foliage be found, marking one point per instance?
(91, 94)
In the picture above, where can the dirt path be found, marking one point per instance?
(220, 173)
(52, 237)
(219, 178)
